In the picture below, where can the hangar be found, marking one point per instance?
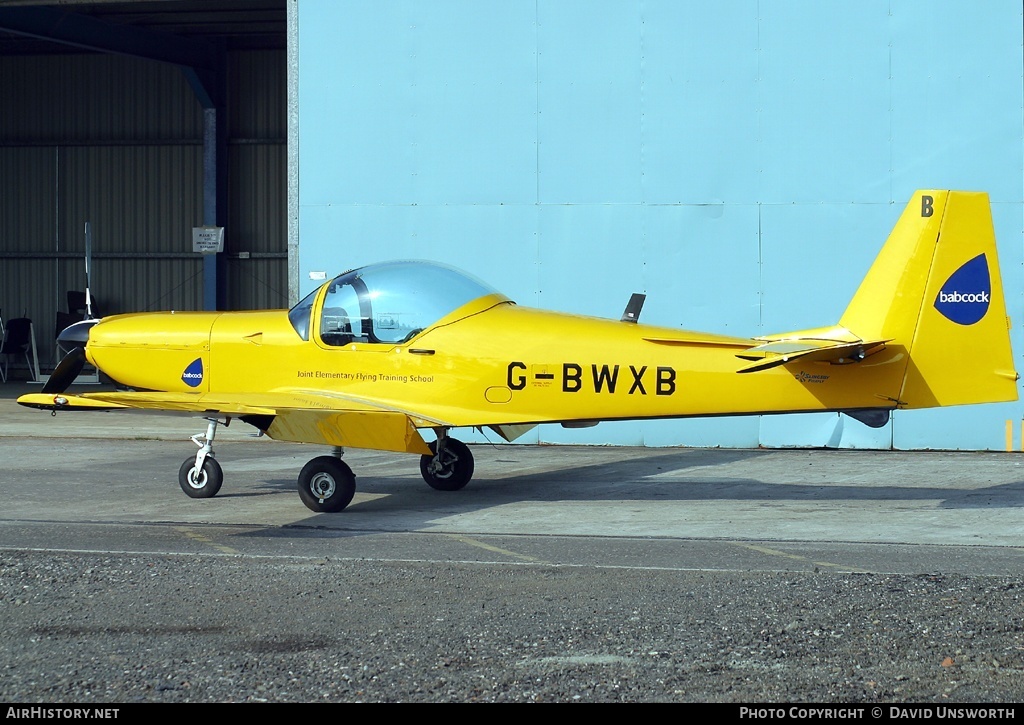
(739, 162)
(143, 120)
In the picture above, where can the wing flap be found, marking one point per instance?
(376, 430)
(511, 432)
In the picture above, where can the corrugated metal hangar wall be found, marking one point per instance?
(117, 142)
(741, 162)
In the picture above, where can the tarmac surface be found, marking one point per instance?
(98, 493)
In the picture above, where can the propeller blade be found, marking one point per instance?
(66, 371)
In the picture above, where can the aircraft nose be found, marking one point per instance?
(77, 334)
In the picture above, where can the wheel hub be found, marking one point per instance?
(196, 478)
(322, 486)
(443, 465)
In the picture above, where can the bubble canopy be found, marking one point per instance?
(390, 302)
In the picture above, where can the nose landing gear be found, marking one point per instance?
(201, 476)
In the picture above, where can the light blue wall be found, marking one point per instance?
(739, 161)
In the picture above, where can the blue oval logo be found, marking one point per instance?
(964, 298)
(193, 375)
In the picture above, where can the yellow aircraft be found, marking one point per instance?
(380, 353)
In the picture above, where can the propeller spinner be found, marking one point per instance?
(75, 337)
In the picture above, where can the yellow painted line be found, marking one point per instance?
(207, 541)
(796, 557)
(495, 549)
(1009, 436)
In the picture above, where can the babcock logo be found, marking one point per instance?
(193, 375)
(965, 296)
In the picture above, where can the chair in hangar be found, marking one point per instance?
(16, 340)
(80, 306)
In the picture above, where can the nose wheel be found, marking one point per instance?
(200, 476)
(203, 482)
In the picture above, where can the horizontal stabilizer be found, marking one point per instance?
(780, 352)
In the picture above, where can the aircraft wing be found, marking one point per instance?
(302, 417)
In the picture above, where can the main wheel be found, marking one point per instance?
(451, 470)
(200, 484)
(326, 484)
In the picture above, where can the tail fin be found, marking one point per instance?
(935, 290)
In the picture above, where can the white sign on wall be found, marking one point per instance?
(208, 240)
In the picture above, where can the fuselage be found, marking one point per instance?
(488, 362)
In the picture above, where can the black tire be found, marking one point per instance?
(204, 485)
(453, 472)
(326, 484)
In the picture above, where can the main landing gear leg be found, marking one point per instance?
(450, 466)
(200, 476)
